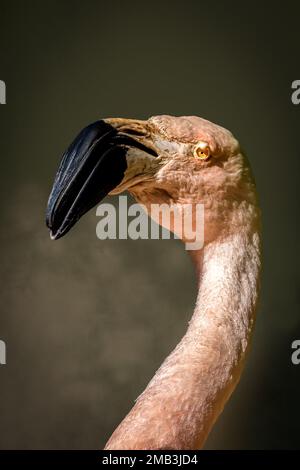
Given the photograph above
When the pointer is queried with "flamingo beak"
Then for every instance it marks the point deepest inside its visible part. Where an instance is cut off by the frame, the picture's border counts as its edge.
(93, 165)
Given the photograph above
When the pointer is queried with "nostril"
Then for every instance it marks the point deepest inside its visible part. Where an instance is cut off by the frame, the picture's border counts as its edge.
(133, 131)
(125, 139)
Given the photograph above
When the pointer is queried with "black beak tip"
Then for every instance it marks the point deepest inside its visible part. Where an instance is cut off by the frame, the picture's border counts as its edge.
(54, 236)
(54, 233)
(93, 165)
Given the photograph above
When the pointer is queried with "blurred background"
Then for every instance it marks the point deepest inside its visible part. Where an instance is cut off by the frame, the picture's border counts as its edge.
(87, 323)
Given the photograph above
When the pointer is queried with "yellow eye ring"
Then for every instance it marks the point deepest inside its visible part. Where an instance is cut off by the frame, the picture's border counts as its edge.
(202, 151)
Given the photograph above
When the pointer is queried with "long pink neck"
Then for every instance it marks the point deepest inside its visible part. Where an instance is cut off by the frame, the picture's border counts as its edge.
(183, 400)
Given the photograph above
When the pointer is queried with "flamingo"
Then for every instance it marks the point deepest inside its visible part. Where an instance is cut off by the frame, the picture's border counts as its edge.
(178, 160)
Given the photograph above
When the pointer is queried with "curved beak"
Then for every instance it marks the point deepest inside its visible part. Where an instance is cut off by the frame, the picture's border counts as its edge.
(93, 166)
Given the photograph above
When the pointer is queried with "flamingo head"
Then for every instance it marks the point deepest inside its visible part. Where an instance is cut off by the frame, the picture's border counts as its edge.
(165, 159)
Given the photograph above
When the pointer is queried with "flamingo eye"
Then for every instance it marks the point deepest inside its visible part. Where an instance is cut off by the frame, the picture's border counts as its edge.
(202, 151)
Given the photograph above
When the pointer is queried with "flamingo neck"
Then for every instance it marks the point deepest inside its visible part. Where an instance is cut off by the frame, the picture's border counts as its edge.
(188, 392)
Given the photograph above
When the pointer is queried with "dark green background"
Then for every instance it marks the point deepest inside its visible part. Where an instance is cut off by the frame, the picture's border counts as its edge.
(86, 322)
